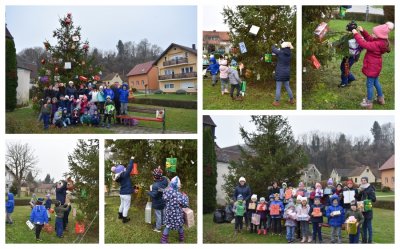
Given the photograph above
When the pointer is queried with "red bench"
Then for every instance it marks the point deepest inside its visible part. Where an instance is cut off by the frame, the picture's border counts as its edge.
(127, 119)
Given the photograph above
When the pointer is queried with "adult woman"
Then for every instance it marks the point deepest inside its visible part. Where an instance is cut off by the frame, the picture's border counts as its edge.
(244, 190)
(366, 192)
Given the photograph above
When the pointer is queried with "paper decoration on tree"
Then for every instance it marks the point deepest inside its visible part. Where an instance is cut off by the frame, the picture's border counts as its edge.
(274, 209)
(85, 47)
(268, 58)
(342, 11)
(67, 65)
(258, 76)
(171, 164)
(57, 78)
(56, 69)
(79, 228)
(242, 47)
(76, 77)
(67, 21)
(44, 79)
(75, 38)
(83, 78)
(304, 70)
(321, 30)
(315, 63)
(243, 87)
(48, 72)
(135, 170)
(73, 47)
(254, 29)
(46, 45)
(83, 63)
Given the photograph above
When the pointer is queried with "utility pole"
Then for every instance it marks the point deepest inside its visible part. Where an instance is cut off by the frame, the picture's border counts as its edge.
(367, 13)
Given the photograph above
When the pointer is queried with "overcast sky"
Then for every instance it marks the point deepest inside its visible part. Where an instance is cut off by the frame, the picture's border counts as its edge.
(103, 26)
(213, 18)
(52, 155)
(227, 131)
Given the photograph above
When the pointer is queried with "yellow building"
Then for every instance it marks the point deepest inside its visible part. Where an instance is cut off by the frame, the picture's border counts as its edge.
(177, 69)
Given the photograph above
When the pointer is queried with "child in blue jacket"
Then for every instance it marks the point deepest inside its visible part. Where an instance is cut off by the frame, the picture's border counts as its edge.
(123, 98)
(156, 194)
(214, 69)
(276, 218)
(47, 205)
(39, 217)
(335, 214)
(9, 208)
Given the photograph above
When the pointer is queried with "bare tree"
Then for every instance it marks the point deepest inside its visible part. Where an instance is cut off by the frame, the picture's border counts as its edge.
(20, 159)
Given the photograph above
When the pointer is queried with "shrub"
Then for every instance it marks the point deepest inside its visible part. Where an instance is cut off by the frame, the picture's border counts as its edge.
(385, 189)
(180, 91)
(134, 90)
(158, 92)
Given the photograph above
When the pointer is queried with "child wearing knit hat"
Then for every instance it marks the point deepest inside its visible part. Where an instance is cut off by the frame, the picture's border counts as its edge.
(262, 211)
(376, 45)
(251, 209)
(354, 213)
(239, 208)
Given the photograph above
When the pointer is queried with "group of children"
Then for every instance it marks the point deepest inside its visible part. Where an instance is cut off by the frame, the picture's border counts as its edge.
(298, 208)
(167, 200)
(65, 107)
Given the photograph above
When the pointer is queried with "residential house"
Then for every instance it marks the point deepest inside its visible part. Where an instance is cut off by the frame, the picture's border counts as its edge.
(177, 69)
(25, 189)
(24, 70)
(10, 177)
(45, 188)
(112, 78)
(216, 42)
(144, 77)
(310, 175)
(355, 174)
(387, 173)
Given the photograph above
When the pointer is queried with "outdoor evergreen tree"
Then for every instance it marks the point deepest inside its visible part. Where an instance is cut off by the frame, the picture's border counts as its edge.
(376, 133)
(270, 154)
(11, 75)
(277, 24)
(68, 59)
(84, 170)
(47, 179)
(209, 172)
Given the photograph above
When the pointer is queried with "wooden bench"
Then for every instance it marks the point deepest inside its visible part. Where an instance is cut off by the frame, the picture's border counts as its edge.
(127, 119)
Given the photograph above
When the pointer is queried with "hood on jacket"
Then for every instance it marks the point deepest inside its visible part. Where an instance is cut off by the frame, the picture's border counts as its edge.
(10, 196)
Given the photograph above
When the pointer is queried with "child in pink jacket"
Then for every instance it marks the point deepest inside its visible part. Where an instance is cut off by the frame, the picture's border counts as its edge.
(376, 45)
(223, 70)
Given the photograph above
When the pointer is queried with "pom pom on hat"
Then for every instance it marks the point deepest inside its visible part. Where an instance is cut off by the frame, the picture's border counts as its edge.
(287, 45)
(262, 199)
(382, 31)
(254, 197)
(242, 179)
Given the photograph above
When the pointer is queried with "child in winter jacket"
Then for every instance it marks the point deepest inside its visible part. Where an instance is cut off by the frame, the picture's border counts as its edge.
(57, 121)
(376, 45)
(214, 69)
(335, 214)
(239, 208)
(262, 211)
(124, 98)
(234, 80)
(354, 212)
(66, 118)
(85, 118)
(95, 118)
(39, 217)
(345, 67)
(47, 205)
(282, 71)
(276, 210)
(46, 113)
(251, 209)
(60, 211)
(290, 216)
(9, 208)
(303, 216)
(317, 212)
(174, 202)
(156, 194)
(75, 119)
(224, 70)
(109, 109)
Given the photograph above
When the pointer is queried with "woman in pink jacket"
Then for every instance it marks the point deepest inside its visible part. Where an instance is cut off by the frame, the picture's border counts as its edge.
(376, 45)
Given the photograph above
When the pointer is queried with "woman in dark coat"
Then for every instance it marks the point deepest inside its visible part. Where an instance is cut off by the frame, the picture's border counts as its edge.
(366, 192)
(282, 71)
(244, 190)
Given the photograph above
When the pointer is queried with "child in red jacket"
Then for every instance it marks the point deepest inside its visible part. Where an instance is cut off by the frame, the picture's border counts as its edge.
(376, 45)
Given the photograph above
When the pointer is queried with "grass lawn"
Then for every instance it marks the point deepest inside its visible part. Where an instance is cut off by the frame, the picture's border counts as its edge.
(20, 233)
(136, 230)
(383, 231)
(172, 96)
(24, 120)
(385, 196)
(325, 93)
(259, 96)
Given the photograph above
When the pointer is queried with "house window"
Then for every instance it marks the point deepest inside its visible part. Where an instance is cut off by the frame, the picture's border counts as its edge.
(142, 82)
(168, 72)
(186, 54)
(386, 180)
(187, 69)
(169, 86)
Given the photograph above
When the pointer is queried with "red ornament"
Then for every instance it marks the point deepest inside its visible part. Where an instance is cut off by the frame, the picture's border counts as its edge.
(69, 15)
(86, 47)
(83, 78)
(96, 78)
(46, 45)
(67, 21)
(315, 63)
(56, 69)
(43, 61)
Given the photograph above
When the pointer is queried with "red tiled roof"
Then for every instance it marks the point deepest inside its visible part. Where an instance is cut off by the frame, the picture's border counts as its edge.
(389, 164)
(223, 35)
(143, 68)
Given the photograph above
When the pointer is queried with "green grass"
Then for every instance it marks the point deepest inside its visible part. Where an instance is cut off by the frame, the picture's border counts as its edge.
(382, 224)
(137, 231)
(24, 121)
(20, 233)
(325, 93)
(385, 196)
(172, 96)
(259, 96)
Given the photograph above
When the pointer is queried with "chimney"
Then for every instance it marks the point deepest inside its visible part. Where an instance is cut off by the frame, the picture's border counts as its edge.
(194, 46)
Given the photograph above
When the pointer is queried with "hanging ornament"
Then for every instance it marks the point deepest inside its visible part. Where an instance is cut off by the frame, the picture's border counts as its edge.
(96, 78)
(83, 193)
(67, 65)
(43, 61)
(83, 78)
(100, 72)
(321, 31)
(76, 77)
(57, 78)
(60, 60)
(73, 47)
(258, 76)
(134, 170)
(315, 63)
(234, 50)
(44, 79)
(170, 164)
(56, 69)
(69, 15)
(268, 58)
(304, 70)
(254, 30)
(85, 47)
(83, 63)
(242, 47)
(48, 72)
(67, 21)
(46, 45)
(75, 38)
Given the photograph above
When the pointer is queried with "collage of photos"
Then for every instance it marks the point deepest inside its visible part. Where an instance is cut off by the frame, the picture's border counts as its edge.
(103, 142)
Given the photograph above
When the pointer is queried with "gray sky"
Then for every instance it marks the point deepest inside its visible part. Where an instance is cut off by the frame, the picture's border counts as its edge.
(52, 155)
(103, 26)
(227, 131)
(213, 19)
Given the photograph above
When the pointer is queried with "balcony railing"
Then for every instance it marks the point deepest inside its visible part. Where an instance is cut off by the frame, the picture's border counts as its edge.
(178, 76)
(175, 62)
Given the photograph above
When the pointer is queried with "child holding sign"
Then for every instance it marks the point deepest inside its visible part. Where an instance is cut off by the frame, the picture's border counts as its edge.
(317, 212)
(275, 209)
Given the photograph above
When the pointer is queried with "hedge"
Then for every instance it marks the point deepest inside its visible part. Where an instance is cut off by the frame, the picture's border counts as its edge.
(166, 103)
(383, 204)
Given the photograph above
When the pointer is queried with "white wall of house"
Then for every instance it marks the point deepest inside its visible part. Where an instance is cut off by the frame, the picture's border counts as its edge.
(9, 180)
(222, 169)
(24, 85)
(335, 177)
(368, 173)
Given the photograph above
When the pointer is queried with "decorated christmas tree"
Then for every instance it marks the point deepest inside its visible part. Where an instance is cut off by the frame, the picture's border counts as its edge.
(258, 28)
(68, 59)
